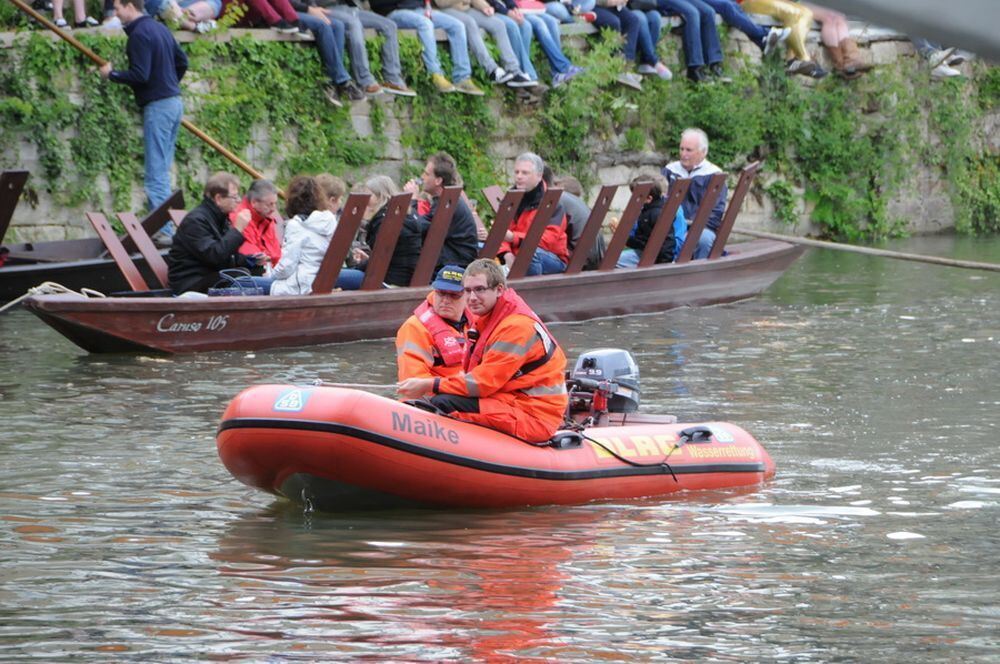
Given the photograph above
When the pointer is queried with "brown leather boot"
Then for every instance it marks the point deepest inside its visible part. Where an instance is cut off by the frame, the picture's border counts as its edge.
(837, 55)
(854, 66)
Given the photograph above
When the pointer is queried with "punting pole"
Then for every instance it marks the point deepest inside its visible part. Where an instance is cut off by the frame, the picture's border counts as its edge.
(98, 60)
(885, 253)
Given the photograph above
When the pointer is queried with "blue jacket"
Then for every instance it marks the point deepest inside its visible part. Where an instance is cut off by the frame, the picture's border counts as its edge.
(156, 62)
(699, 175)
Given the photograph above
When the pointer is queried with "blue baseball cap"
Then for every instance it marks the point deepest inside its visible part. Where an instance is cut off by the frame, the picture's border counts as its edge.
(449, 278)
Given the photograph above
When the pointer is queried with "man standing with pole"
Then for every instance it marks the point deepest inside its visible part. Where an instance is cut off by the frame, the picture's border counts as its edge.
(156, 66)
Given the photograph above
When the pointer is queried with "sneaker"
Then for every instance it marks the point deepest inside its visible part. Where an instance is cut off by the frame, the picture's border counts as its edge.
(89, 22)
(500, 76)
(333, 96)
(467, 87)
(42, 5)
(350, 90)
(61, 23)
(442, 84)
(696, 75)
(519, 80)
(283, 27)
(663, 71)
(201, 27)
(373, 89)
(630, 80)
(959, 57)
(588, 17)
(775, 36)
(943, 71)
(646, 70)
(940, 57)
(716, 72)
(398, 89)
(805, 68)
(113, 23)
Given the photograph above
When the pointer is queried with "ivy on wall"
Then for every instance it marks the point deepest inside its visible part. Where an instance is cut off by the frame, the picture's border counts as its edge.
(848, 145)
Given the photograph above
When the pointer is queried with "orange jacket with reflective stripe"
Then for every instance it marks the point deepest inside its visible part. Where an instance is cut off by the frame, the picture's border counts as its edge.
(513, 342)
(417, 355)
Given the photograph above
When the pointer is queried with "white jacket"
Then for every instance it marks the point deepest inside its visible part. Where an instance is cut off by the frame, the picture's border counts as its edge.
(302, 251)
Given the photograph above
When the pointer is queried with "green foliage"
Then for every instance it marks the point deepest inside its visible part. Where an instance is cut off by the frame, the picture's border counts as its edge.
(783, 198)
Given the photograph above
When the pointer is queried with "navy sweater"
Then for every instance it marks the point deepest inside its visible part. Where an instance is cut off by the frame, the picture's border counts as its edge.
(156, 62)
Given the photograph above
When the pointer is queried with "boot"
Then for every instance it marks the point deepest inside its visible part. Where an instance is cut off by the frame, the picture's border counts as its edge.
(837, 56)
(854, 66)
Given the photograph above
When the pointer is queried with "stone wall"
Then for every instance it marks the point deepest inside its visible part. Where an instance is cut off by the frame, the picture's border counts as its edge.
(924, 200)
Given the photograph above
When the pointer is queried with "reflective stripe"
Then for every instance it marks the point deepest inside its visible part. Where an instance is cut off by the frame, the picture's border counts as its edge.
(547, 341)
(471, 386)
(545, 390)
(416, 349)
(511, 348)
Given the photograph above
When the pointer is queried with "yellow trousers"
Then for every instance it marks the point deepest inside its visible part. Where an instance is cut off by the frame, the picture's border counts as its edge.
(792, 15)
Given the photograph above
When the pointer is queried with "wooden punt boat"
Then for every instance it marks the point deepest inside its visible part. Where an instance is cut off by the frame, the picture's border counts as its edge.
(76, 264)
(176, 325)
(338, 449)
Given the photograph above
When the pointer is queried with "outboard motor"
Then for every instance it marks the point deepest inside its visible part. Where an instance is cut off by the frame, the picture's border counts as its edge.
(613, 371)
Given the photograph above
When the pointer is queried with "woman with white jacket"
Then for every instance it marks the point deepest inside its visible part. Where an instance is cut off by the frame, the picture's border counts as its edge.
(308, 232)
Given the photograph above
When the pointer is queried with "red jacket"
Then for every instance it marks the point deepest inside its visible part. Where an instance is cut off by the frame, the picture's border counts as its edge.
(260, 235)
(554, 237)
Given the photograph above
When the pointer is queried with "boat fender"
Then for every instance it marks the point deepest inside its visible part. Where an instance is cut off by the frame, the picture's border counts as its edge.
(566, 440)
(695, 434)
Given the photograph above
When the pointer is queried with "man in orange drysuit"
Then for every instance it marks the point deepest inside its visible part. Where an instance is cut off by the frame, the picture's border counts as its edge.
(513, 378)
(431, 342)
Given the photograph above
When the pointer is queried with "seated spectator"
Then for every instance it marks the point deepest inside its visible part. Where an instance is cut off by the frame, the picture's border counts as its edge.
(206, 242)
(194, 15)
(334, 189)
(80, 18)
(355, 21)
(694, 165)
(700, 38)
(407, 251)
(640, 43)
(545, 28)
(478, 15)
(798, 18)
(942, 61)
(577, 215)
(836, 36)
(261, 234)
(414, 15)
(767, 39)
(644, 225)
(288, 17)
(308, 233)
(551, 255)
(461, 245)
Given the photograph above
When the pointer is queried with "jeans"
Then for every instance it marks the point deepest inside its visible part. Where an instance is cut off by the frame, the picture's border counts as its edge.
(705, 243)
(650, 24)
(559, 11)
(355, 21)
(733, 15)
(545, 262)
(474, 37)
(925, 47)
(414, 19)
(519, 43)
(350, 279)
(701, 39)
(263, 283)
(161, 120)
(629, 258)
(546, 29)
(496, 27)
(330, 44)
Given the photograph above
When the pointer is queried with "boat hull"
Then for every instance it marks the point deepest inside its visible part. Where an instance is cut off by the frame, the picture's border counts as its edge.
(338, 449)
(175, 325)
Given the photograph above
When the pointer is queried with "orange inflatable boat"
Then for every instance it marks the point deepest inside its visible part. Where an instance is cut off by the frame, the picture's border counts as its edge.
(340, 449)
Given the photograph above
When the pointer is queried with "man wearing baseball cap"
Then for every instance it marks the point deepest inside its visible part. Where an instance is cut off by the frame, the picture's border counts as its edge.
(431, 343)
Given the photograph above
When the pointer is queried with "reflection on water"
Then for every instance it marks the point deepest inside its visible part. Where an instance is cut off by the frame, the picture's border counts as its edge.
(872, 383)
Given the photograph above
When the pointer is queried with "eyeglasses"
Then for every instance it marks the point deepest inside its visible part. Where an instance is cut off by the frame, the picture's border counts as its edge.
(478, 290)
(448, 295)
(235, 197)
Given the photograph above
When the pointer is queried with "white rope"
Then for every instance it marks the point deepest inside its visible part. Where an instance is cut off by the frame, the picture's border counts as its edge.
(52, 288)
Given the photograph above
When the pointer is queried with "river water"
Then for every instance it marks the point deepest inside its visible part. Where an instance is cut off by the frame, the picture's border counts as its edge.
(872, 382)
